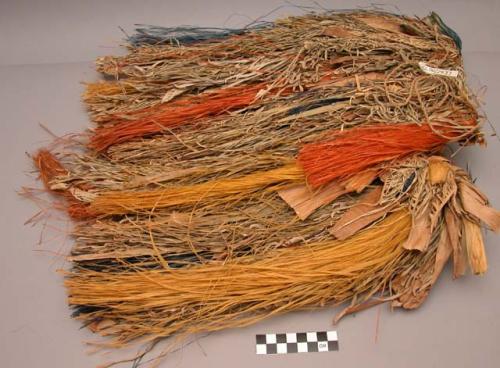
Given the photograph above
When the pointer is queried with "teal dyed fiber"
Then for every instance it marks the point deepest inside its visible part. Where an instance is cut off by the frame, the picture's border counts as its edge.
(156, 35)
(447, 30)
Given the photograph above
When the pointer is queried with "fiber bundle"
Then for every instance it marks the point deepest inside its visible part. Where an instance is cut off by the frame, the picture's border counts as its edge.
(235, 174)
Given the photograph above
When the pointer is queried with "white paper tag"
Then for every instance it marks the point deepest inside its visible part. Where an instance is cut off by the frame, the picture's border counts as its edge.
(437, 71)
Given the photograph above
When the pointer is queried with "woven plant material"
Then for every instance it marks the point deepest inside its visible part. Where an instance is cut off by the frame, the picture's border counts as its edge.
(231, 175)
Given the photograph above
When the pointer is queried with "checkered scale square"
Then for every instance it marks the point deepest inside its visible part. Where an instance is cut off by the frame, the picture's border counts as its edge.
(297, 342)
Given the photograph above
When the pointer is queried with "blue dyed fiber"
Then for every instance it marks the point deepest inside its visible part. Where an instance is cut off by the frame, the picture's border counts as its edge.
(156, 35)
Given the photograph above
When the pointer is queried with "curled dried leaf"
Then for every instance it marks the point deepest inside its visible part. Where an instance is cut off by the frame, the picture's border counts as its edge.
(475, 247)
(420, 234)
(475, 203)
(381, 23)
(443, 253)
(454, 234)
(366, 211)
(438, 170)
(338, 31)
(305, 201)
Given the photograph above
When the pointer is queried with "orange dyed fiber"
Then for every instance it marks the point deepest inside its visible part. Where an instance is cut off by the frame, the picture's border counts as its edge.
(356, 149)
(49, 167)
(187, 110)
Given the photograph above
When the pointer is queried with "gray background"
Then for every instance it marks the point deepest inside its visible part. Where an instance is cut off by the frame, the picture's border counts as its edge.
(47, 48)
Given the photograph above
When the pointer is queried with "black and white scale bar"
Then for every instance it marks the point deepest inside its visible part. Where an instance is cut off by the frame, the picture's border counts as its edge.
(297, 342)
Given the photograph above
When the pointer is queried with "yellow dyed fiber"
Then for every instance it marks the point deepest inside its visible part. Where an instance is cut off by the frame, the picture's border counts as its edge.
(94, 90)
(222, 190)
(242, 291)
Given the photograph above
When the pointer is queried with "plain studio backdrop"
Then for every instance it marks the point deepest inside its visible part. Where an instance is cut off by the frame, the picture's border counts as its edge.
(47, 48)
